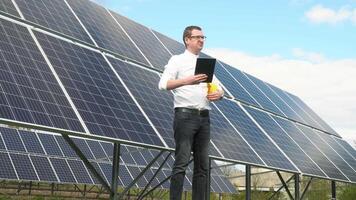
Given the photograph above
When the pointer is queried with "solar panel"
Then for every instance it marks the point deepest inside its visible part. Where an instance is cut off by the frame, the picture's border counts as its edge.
(346, 146)
(287, 111)
(233, 86)
(50, 145)
(312, 114)
(7, 170)
(8, 7)
(43, 169)
(254, 91)
(289, 147)
(104, 30)
(63, 171)
(157, 104)
(31, 142)
(330, 153)
(23, 167)
(102, 101)
(55, 15)
(323, 162)
(29, 91)
(303, 116)
(229, 142)
(12, 140)
(145, 40)
(173, 46)
(269, 153)
(79, 171)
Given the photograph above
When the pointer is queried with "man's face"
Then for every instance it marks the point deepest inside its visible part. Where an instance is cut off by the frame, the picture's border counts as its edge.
(196, 41)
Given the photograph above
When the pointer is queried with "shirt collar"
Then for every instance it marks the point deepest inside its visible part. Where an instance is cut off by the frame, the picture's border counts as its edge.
(188, 53)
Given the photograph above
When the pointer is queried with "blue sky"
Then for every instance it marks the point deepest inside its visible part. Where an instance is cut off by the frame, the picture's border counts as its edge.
(306, 47)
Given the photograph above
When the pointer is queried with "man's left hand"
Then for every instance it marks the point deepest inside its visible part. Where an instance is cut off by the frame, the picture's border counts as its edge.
(215, 96)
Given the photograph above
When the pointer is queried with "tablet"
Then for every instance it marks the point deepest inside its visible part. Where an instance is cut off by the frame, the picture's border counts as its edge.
(205, 66)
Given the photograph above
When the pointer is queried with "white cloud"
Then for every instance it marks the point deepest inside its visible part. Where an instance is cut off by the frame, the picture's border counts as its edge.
(327, 86)
(321, 14)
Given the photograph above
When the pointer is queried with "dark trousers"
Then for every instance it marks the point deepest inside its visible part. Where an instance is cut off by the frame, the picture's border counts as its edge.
(191, 133)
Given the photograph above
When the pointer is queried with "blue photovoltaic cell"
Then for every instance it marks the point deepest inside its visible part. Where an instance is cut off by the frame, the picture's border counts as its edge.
(28, 90)
(255, 92)
(8, 7)
(6, 168)
(306, 108)
(126, 156)
(84, 148)
(124, 175)
(2, 145)
(303, 116)
(145, 40)
(97, 150)
(173, 46)
(50, 144)
(347, 146)
(66, 149)
(158, 105)
(338, 148)
(44, 169)
(232, 85)
(53, 14)
(323, 162)
(228, 141)
(98, 169)
(12, 140)
(107, 169)
(287, 111)
(136, 154)
(79, 171)
(290, 148)
(23, 167)
(102, 101)
(31, 142)
(63, 171)
(135, 171)
(329, 152)
(269, 153)
(105, 31)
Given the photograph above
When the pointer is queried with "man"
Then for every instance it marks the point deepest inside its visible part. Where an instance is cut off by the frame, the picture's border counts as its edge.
(191, 120)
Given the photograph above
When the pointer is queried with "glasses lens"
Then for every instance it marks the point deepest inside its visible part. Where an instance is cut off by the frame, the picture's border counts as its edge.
(198, 37)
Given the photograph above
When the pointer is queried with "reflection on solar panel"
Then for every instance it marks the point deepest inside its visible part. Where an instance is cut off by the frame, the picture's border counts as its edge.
(53, 15)
(300, 103)
(173, 46)
(232, 85)
(105, 31)
(269, 153)
(330, 153)
(145, 40)
(100, 98)
(229, 142)
(323, 162)
(28, 90)
(292, 150)
(8, 7)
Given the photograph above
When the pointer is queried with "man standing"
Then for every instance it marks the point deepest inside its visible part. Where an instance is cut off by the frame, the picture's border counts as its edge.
(191, 120)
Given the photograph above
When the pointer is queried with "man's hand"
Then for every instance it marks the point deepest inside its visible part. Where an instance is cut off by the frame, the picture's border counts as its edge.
(215, 95)
(195, 79)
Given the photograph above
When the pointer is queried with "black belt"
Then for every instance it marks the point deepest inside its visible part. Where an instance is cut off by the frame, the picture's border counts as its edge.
(203, 113)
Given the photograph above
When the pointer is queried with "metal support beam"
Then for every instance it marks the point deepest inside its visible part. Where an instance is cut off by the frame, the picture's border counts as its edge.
(296, 187)
(285, 185)
(86, 162)
(140, 175)
(115, 171)
(280, 188)
(306, 188)
(208, 179)
(154, 176)
(333, 190)
(248, 182)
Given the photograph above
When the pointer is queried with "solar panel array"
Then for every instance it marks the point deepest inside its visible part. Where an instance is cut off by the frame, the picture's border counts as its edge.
(49, 80)
(34, 156)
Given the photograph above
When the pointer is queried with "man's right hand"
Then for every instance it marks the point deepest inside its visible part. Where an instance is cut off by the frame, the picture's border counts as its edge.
(195, 79)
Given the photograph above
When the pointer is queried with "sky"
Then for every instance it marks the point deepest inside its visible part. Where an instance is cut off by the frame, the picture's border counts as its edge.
(306, 47)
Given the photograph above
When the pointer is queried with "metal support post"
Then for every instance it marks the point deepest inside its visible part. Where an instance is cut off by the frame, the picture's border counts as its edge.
(248, 182)
(296, 187)
(208, 181)
(333, 190)
(280, 188)
(115, 171)
(285, 185)
(86, 162)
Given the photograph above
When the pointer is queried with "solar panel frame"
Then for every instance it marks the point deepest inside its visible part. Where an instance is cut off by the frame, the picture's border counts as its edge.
(24, 167)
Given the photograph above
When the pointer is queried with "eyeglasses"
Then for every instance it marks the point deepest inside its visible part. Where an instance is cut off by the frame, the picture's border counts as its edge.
(198, 37)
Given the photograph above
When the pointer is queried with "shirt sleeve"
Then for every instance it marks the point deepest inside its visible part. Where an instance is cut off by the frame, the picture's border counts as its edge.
(169, 73)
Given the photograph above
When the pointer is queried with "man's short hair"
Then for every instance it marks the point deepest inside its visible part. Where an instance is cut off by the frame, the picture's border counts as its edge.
(188, 32)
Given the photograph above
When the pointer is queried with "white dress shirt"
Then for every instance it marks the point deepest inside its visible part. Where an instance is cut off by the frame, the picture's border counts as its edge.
(188, 96)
